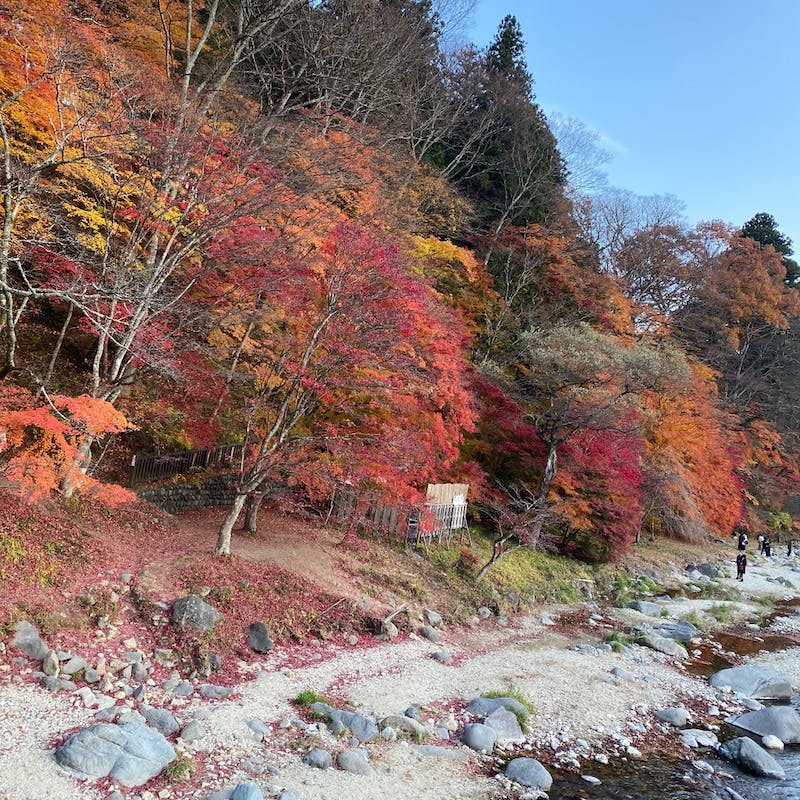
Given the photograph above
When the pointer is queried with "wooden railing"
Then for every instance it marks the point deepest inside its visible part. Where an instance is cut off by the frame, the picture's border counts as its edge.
(146, 469)
(433, 523)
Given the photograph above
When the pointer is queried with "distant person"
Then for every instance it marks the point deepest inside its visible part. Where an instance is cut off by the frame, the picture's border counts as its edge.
(742, 541)
(789, 545)
(761, 538)
(741, 566)
(767, 548)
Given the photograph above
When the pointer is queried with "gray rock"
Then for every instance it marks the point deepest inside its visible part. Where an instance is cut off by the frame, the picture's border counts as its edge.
(505, 725)
(745, 753)
(389, 629)
(131, 753)
(247, 791)
(91, 675)
(440, 752)
(432, 617)
(53, 684)
(696, 738)
(681, 631)
(354, 761)
(479, 737)
(484, 612)
(183, 689)
(780, 721)
(430, 633)
(140, 673)
(258, 637)
(760, 683)
(50, 664)
(442, 656)
(750, 704)
(318, 758)
(663, 645)
(483, 706)
(677, 717)
(322, 709)
(288, 794)
(259, 728)
(213, 692)
(75, 664)
(546, 619)
(772, 742)
(193, 612)
(192, 731)
(622, 674)
(160, 719)
(405, 724)
(28, 639)
(529, 772)
(708, 569)
(645, 607)
(365, 729)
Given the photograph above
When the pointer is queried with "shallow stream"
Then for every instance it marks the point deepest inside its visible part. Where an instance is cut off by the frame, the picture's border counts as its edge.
(663, 778)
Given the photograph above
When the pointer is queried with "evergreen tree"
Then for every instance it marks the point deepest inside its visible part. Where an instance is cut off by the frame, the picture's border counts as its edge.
(764, 229)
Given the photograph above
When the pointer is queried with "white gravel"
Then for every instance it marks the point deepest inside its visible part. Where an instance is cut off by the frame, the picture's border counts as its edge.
(573, 692)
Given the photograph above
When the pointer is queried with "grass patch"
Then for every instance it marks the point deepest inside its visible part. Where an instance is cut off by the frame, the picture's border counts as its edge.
(769, 602)
(721, 612)
(178, 770)
(530, 574)
(522, 714)
(308, 697)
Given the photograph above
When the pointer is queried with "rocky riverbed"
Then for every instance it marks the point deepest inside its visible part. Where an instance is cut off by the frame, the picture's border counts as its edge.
(399, 716)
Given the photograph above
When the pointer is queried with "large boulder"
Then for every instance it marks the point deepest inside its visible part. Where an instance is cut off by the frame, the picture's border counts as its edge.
(646, 607)
(529, 772)
(130, 753)
(160, 719)
(318, 758)
(662, 644)
(28, 639)
(354, 761)
(247, 791)
(681, 631)
(677, 717)
(780, 721)
(365, 729)
(193, 612)
(760, 683)
(483, 706)
(405, 724)
(258, 637)
(746, 754)
(480, 737)
(505, 725)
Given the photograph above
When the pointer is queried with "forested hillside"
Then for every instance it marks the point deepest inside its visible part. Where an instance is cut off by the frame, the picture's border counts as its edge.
(324, 230)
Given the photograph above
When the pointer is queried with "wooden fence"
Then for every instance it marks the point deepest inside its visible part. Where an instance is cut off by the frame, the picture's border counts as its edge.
(146, 469)
(433, 523)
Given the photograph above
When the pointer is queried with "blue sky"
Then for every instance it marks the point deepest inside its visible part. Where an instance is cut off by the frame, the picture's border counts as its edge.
(696, 98)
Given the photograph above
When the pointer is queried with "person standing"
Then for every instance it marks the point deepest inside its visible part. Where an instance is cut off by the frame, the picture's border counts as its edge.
(767, 548)
(742, 541)
(741, 566)
(761, 538)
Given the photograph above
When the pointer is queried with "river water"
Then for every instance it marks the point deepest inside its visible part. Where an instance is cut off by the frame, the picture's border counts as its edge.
(659, 777)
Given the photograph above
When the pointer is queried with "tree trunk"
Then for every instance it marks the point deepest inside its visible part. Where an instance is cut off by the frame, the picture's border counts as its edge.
(251, 512)
(498, 550)
(224, 537)
(82, 463)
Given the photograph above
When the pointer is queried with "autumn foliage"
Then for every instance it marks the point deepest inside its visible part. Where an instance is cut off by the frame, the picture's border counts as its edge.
(376, 282)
